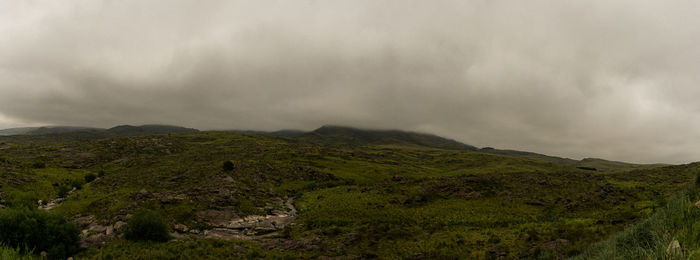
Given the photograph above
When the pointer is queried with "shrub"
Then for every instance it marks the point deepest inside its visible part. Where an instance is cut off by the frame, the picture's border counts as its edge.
(63, 190)
(228, 166)
(39, 165)
(147, 225)
(77, 183)
(697, 179)
(101, 173)
(39, 231)
(23, 200)
(90, 177)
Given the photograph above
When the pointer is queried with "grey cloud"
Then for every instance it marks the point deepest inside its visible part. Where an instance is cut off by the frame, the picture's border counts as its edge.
(612, 79)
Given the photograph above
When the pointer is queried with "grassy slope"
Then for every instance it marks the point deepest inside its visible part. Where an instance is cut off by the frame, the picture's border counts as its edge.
(652, 238)
(386, 200)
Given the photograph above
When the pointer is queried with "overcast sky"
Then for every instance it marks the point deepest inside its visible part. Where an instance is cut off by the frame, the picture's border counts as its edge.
(595, 78)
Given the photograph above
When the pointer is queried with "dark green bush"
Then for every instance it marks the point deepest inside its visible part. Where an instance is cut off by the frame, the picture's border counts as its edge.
(39, 165)
(39, 231)
(228, 166)
(77, 183)
(90, 177)
(147, 225)
(101, 173)
(697, 179)
(63, 190)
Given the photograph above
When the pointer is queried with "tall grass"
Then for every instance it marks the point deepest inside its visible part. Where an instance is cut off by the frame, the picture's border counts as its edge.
(9, 253)
(651, 238)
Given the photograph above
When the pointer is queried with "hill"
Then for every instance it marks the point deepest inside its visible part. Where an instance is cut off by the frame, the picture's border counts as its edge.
(348, 136)
(49, 134)
(128, 130)
(333, 192)
(44, 130)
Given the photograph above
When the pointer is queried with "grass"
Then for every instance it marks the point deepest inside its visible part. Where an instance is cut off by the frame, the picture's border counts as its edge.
(652, 238)
(9, 253)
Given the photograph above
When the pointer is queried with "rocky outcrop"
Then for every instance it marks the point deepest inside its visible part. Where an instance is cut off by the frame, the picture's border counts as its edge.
(226, 225)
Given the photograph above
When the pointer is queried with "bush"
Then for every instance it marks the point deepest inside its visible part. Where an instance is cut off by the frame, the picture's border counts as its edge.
(39, 165)
(101, 173)
(63, 190)
(147, 225)
(39, 231)
(90, 177)
(23, 200)
(228, 166)
(77, 183)
(697, 180)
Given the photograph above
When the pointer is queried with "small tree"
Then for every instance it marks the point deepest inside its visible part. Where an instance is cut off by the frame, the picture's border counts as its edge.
(228, 166)
(147, 225)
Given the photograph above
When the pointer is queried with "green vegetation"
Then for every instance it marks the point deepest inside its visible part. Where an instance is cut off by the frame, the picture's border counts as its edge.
(147, 225)
(9, 253)
(228, 166)
(657, 236)
(358, 194)
(37, 230)
(90, 177)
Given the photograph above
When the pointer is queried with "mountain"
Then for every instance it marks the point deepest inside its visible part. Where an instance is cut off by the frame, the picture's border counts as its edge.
(129, 130)
(348, 136)
(279, 133)
(17, 131)
(59, 129)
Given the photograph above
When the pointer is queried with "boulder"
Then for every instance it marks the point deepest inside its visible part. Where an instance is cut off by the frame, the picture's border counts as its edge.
(181, 228)
(119, 226)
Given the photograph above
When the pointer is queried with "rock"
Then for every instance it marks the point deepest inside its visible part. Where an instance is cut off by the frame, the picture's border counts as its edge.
(109, 231)
(119, 226)
(181, 228)
(170, 199)
(43, 254)
(97, 228)
(194, 231)
(142, 195)
(697, 204)
(84, 221)
(674, 248)
(96, 239)
(259, 231)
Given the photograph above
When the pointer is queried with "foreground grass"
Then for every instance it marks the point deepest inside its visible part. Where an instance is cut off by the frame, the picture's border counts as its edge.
(654, 237)
(8, 253)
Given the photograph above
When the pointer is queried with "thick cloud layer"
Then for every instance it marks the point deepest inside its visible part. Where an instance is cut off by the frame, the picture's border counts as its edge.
(598, 78)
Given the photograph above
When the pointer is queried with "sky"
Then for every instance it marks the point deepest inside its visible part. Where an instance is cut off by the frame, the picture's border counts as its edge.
(613, 79)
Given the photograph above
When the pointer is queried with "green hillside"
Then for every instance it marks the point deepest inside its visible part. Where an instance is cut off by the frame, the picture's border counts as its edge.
(332, 193)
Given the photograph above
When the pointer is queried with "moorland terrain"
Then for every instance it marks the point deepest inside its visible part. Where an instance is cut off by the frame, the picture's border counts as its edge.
(335, 192)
